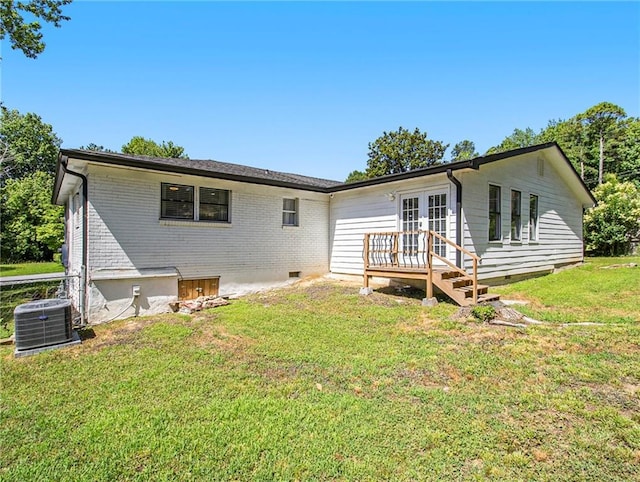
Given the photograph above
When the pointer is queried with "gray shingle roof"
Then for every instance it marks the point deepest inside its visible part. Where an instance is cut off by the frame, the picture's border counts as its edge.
(209, 168)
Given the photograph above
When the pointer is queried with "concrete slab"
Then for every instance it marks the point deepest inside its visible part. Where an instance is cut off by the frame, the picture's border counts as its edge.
(75, 340)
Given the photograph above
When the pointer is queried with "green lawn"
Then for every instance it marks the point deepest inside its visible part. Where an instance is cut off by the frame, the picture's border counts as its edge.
(590, 293)
(318, 383)
(19, 269)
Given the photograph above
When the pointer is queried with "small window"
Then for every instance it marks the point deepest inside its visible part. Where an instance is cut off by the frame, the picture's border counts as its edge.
(289, 212)
(214, 204)
(177, 201)
(533, 217)
(495, 227)
(516, 215)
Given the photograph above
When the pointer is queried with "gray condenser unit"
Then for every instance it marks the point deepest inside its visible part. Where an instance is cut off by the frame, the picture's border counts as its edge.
(42, 323)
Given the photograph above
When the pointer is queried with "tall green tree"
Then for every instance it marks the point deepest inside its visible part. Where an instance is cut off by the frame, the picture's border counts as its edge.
(32, 227)
(518, 138)
(610, 227)
(95, 147)
(28, 144)
(355, 176)
(140, 146)
(25, 34)
(402, 151)
(599, 141)
(463, 151)
(602, 121)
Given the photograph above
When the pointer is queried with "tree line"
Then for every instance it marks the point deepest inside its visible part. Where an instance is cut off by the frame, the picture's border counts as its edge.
(33, 227)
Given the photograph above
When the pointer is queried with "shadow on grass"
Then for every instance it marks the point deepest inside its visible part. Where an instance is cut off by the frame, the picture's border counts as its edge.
(7, 269)
(407, 291)
(86, 333)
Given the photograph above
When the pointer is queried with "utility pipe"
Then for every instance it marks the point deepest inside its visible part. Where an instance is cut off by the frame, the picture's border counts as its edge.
(85, 238)
(458, 186)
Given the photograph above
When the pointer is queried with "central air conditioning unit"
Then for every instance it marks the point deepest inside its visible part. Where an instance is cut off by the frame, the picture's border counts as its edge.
(42, 323)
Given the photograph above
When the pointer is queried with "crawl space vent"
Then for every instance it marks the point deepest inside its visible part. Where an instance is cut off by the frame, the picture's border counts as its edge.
(42, 323)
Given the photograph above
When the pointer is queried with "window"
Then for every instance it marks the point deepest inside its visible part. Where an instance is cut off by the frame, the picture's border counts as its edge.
(495, 227)
(533, 217)
(516, 215)
(289, 212)
(214, 204)
(179, 202)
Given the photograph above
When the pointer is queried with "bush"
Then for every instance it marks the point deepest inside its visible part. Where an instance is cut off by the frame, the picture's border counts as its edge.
(611, 226)
(484, 313)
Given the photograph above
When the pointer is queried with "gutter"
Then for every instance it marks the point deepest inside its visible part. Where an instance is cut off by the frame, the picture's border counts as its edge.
(458, 186)
(85, 236)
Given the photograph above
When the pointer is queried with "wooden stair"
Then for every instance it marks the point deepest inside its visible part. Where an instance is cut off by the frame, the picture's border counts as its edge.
(384, 256)
(460, 288)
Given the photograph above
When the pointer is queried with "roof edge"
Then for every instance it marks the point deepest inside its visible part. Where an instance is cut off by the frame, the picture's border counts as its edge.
(135, 162)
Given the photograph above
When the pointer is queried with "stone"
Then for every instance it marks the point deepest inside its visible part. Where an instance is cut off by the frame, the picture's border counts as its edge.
(366, 291)
(429, 301)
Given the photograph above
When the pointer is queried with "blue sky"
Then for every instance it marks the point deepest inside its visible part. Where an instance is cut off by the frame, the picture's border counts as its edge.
(304, 87)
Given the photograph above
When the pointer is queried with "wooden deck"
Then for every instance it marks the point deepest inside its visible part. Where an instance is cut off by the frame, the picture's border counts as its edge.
(411, 255)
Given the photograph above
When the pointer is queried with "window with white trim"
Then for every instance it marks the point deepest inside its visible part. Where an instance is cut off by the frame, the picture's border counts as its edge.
(533, 217)
(290, 212)
(180, 201)
(516, 215)
(495, 225)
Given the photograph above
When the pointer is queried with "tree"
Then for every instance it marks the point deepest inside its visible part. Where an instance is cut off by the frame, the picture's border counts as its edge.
(32, 227)
(29, 145)
(25, 35)
(402, 151)
(355, 176)
(593, 156)
(95, 147)
(519, 138)
(610, 227)
(140, 146)
(601, 120)
(463, 150)
(628, 152)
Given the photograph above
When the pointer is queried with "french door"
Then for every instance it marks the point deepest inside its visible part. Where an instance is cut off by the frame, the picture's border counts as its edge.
(426, 210)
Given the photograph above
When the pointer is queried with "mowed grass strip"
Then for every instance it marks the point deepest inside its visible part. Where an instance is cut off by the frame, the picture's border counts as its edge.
(318, 383)
(605, 290)
(25, 269)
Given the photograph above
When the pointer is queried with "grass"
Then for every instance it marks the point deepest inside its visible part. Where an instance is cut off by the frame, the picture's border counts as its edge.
(318, 383)
(590, 293)
(20, 269)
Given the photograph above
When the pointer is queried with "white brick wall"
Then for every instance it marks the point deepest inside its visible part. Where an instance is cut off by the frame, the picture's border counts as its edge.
(126, 232)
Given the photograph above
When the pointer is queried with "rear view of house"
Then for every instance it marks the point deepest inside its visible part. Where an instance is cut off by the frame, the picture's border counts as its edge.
(142, 232)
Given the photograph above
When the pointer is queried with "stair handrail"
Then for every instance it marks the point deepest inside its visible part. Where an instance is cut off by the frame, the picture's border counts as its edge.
(475, 258)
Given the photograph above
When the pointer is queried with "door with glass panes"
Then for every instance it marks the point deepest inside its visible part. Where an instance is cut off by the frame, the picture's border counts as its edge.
(426, 210)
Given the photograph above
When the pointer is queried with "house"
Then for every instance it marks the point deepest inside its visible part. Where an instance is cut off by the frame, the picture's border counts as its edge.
(142, 232)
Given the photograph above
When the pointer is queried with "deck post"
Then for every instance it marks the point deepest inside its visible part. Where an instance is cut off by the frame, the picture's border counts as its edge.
(366, 259)
(475, 281)
(429, 265)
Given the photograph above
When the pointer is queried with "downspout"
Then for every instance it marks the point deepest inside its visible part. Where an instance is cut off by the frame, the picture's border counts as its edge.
(85, 239)
(458, 186)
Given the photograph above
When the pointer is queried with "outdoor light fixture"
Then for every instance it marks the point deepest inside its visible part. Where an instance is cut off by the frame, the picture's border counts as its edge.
(391, 196)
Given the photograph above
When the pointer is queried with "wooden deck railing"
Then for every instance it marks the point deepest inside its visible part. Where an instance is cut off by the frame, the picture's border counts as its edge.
(413, 251)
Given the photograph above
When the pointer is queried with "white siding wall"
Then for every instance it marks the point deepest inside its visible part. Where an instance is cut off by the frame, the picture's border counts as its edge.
(126, 232)
(368, 209)
(560, 218)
